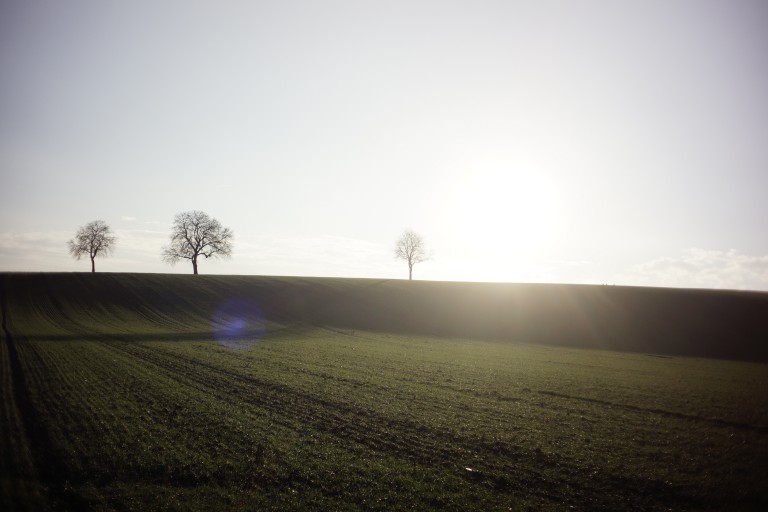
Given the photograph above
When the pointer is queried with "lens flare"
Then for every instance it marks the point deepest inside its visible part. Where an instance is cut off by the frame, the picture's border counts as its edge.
(238, 324)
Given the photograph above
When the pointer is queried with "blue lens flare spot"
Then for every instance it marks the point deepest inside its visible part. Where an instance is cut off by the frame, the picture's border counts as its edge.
(238, 324)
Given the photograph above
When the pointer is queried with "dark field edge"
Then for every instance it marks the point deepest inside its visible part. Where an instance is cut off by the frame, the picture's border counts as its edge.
(48, 463)
(721, 324)
(712, 421)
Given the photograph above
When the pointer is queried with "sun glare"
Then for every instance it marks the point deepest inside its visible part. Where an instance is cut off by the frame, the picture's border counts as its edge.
(502, 220)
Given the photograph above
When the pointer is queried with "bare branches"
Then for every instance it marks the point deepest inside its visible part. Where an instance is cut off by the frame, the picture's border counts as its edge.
(411, 248)
(92, 239)
(196, 234)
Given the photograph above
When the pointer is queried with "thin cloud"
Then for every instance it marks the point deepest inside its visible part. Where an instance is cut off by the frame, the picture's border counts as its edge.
(702, 268)
(136, 250)
(34, 251)
(34, 241)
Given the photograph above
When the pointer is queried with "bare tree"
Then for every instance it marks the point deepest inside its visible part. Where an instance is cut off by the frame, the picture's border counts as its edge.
(92, 239)
(411, 248)
(195, 234)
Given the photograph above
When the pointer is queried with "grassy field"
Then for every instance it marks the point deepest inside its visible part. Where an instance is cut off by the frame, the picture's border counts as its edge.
(124, 392)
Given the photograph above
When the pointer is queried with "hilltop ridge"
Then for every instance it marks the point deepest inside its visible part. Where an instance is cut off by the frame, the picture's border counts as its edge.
(705, 323)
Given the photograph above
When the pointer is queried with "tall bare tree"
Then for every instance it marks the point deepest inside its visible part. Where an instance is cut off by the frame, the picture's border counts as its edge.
(195, 234)
(93, 239)
(411, 248)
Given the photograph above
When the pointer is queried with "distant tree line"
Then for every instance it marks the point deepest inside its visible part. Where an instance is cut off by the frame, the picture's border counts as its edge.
(195, 234)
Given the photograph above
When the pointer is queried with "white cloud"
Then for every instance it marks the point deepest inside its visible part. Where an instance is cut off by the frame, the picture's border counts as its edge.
(36, 239)
(128, 218)
(702, 268)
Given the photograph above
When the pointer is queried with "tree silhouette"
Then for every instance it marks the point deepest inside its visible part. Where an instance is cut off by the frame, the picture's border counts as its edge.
(411, 248)
(92, 239)
(195, 234)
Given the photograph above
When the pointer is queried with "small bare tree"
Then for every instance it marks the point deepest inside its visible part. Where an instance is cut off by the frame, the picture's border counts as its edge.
(411, 248)
(92, 239)
(195, 234)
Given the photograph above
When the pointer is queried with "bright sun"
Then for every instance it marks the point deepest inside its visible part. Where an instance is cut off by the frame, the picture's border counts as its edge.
(501, 219)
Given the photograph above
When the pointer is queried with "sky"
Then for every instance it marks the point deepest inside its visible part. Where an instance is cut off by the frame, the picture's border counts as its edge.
(604, 142)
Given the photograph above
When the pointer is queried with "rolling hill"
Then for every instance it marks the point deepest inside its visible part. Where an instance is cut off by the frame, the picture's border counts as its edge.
(121, 392)
(705, 323)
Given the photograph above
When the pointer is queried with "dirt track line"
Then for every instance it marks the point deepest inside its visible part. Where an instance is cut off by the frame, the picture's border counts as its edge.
(48, 463)
(327, 415)
(661, 412)
(348, 423)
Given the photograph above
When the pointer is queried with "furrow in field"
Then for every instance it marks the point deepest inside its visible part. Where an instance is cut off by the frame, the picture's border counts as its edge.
(661, 412)
(114, 313)
(20, 488)
(62, 387)
(302, 407)
(140, 423)
(371, 433)
(43, 449)
(507, 467)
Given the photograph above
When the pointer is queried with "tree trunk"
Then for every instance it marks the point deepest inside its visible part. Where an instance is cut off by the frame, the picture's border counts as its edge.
(194, 265)
(93, 264)
(410, 272)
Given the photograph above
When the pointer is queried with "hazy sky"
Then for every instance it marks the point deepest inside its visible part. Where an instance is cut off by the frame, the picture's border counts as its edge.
(621, 142)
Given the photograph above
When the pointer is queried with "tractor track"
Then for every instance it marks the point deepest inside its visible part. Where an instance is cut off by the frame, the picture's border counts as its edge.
(48, 462)
(514, 470)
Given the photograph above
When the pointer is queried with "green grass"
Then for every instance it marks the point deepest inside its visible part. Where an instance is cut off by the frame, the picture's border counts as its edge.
(116, 397)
